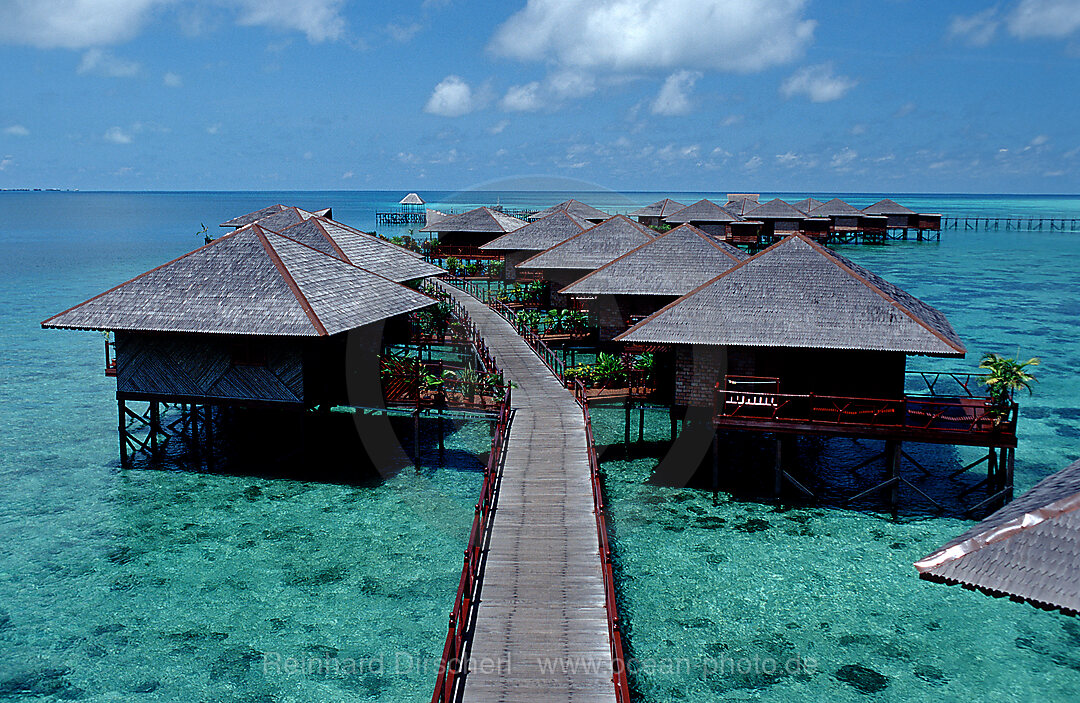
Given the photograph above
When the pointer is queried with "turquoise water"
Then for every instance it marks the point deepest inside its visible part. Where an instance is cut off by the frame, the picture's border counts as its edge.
(171, 584)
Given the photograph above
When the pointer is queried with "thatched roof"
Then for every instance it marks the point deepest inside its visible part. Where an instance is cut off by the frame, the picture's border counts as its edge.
(835, 208)
(701, 211)
(411, 199)
(661, 208)
(776, 209)
(361, 249)
(741, 203)
(1029, 549)
(481, 219)
(577, 208)
(280, 215)
(887, 207)
(672, 264)
(540, 234)
(805, 206)
(799, 294)
(594, 247)
(250, 282)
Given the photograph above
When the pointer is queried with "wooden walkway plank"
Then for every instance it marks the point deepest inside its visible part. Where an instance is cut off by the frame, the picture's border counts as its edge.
(540, 630)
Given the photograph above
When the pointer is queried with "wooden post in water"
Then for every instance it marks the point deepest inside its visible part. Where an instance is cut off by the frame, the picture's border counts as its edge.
(991, 468)
(715, 465)
(892, 464)
(778, 469)
(641, 423)
(674, 423)
(121, 408)
(155, 427)
(626, 427)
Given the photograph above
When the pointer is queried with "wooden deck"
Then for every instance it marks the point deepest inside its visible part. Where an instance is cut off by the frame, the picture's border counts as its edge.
(541, 602)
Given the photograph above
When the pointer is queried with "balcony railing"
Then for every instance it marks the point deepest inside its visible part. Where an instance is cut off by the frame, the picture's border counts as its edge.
(759, 399)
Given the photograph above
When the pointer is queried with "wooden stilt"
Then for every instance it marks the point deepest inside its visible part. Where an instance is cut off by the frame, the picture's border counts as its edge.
(715, 466)
(1010, 465)
(442, 444)
(778, 469)
(674, 423)
(626, 427)
(992, 468)
(121, 407)
(892, 465)
(416, 439)
(641, 424)
(155, 426)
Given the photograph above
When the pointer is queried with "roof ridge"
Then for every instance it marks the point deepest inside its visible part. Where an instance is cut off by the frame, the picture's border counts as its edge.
(289, 280)
(211, 243)
(316, 221)
(832, 256)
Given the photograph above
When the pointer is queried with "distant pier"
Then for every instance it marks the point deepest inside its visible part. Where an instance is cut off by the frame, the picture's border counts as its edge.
(1019, 224)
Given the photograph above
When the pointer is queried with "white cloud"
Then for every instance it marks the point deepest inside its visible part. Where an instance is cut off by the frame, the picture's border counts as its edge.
(817, 83)
(98, 62)
(523, 98)
(857, 129)
(117, 136)
(172, 80)
(905, 109)
(81, 24)
(975, 30)
(214, 128)
(498, 127)
(674, 95)
(628, 35)
(16, 130)
(1045, 18)
(347, 175)
(753, 163)
(1040, 140)
(319, 20)
(403, 32)
(6, 161)
(842, 158)
(571, 84)
(731, 120)
(452, 97)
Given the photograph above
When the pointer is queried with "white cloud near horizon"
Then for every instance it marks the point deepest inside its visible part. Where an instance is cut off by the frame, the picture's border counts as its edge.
(172, 80)
(523, 98)
(817, 83)
(17, 130)
(83, 24)
(632, 35)
(674, 96)
(98, 62)
(1045, 18)
(452, 97)
(117, 136)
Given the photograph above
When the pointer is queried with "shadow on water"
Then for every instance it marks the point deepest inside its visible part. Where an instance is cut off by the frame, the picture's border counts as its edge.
(336, 448)
(834, 470)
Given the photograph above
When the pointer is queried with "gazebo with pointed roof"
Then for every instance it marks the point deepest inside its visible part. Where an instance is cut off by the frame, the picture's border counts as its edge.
(844, 217)
(897, 216)
(806, 316)
(576, 208)
(741, 203)
(807, 204)
(254, 317)
(778, 218)
(462, 235)
(646, 278)
(652, 215)
(534, 238)
(706, 216)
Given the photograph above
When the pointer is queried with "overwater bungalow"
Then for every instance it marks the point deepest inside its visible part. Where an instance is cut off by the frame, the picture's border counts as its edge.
(252, 319)
(1029, 549)
(842, 216)
(573, 258)
(900, 217)
(653, 215)
(706, 216)
(461, 236)
(412, 203)
(799, 340)
(741, 203)
(577, 209)
(807, 205)
(643, 280)
(534, 238)
(778, 218)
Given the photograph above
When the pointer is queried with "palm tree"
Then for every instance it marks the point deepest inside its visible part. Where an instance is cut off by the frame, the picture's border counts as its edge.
(1005, 376)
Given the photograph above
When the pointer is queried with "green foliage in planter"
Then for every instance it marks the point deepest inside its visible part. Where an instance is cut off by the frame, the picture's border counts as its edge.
(1004, 377)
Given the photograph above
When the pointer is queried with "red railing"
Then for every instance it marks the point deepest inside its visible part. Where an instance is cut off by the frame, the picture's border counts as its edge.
(452, 662)
(759, 398)
(619, 676)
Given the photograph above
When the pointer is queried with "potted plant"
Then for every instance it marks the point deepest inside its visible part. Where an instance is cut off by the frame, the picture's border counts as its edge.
(1005, 376)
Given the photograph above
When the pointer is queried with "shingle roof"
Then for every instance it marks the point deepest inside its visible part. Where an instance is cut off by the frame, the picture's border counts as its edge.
(701, 211)
(575, 207)
(251, 282)
(250, 217)
(672, 264)
(540, 234)
(661, 208)
(887, 207)
(362, 249)
(411, 199)
(594, 247)
(799, 294)
(741, 203)
(481, 219)
(1029, 549)
(274, 216)
(776, 209)
(807, 205)
(835, 207)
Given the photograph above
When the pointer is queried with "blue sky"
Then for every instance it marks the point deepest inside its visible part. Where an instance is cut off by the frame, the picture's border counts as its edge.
(718, 95)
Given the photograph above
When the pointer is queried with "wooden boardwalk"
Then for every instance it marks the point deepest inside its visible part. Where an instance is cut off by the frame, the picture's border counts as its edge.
(540, 628)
